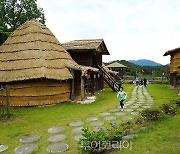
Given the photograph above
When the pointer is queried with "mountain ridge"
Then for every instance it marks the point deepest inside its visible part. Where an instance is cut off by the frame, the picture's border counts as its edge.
(145, 62)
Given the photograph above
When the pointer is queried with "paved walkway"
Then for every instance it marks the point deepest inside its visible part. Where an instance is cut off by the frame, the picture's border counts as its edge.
(139, 100)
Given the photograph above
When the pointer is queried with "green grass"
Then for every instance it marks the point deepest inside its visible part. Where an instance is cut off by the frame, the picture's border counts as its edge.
(37, 120)
(159, 137)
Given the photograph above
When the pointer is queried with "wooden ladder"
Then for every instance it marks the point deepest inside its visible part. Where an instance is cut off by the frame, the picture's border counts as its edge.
(109, 79)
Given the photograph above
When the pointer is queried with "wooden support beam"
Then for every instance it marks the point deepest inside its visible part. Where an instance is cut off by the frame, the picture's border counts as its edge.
(82, 88)
(72, 86)
(92, 84)
(8, 100)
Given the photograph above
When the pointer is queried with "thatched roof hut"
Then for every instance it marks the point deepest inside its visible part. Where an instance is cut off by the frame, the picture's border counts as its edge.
(174, 66)
(116, 65)
(94, 45)
(36, 66)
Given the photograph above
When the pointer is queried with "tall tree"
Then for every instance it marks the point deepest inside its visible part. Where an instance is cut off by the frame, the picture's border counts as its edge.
(13, 13)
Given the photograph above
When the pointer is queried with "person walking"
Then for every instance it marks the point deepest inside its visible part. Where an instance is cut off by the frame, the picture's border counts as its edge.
(122, 97)
(137, 80)
(145, 82)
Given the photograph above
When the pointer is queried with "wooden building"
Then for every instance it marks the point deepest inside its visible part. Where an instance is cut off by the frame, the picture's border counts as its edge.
(89, 53)
(37, 69)
(117, 67)
(174, 66)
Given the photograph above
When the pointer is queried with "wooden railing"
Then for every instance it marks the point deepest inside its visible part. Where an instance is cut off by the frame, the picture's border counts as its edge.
(109, 79)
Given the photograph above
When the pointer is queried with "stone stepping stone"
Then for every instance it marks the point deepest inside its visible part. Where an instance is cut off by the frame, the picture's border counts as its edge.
(134, 107)
(117, 122)
(29, 148)
(139, 109)
(128, 137)
(3, 148)
(114, 110)
(127, 117)
(97, 123)
(77, 130)
(55, 130)
(56, 138)
(140, 102)
(135, 113)
(57, 148)
(120, 113)
(146, 107)
(96, 129)
(128, 110)
(78, 137)
(76, 123)
(110, 118)
(92, 118)
(104, 114)
(29, 139)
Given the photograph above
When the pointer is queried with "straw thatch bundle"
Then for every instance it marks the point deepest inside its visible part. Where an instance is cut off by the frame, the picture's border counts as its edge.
(33, 52)
(116, 64)
(83, 45)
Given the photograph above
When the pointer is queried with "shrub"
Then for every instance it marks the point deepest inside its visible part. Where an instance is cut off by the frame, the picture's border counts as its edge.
(176, 101)
(100, 141)
(168, 109)
(127, 127)
(151, 115)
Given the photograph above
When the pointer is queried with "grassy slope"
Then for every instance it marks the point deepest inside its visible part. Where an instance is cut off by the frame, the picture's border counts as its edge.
(37, 120)
(159, 137)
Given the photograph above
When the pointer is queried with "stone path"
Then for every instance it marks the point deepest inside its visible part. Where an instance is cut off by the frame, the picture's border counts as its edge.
(139, 100)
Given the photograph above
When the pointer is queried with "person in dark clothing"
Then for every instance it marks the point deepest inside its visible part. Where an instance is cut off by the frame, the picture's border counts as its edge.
(145, 82)
(120, 83)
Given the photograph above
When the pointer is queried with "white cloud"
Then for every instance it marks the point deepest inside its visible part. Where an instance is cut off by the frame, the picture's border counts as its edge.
(131, 29)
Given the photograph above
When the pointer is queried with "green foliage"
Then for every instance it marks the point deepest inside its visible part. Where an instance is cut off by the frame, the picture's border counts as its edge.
(169, 109)
(151, 115)
(13, 13)
(151, 71)
(98, 142)
(176, 101)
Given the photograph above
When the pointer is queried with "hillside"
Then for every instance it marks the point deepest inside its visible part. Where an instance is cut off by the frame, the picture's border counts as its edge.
(133, 69)
(144, 62)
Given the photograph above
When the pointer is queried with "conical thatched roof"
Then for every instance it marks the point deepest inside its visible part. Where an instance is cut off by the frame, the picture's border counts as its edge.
(116, 64)
(32, 52)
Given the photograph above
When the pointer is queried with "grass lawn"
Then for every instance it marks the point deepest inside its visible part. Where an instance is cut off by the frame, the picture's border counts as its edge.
(37, 120)
(159, 137)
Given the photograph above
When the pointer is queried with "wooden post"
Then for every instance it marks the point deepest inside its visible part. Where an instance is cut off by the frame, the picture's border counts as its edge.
(82, 88)
(72, 85)
(92, 84)
(8, 101)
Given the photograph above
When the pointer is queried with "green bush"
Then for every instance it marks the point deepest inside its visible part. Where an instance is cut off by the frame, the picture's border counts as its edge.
(176, 101)
(160, 81)
(151, 115)
(100, 141)
(168, 109)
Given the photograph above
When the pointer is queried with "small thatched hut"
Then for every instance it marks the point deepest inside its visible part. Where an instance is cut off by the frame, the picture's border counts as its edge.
(174, 66)
(117, 67)
(37, 69)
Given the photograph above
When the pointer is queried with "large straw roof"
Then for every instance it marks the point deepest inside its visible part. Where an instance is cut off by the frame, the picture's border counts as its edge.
(96, 45)
(170, 52)
(116, 64)
(32, 52)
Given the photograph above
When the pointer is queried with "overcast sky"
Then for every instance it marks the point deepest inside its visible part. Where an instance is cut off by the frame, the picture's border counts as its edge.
(131, 29)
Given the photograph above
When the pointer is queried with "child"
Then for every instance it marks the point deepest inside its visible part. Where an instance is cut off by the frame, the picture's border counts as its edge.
(122, 96)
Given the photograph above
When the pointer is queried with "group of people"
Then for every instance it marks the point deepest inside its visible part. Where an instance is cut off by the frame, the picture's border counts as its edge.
(141, 82)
